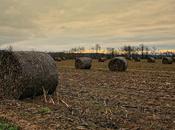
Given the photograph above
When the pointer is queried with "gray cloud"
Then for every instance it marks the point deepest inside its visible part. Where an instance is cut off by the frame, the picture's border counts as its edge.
(110, 22)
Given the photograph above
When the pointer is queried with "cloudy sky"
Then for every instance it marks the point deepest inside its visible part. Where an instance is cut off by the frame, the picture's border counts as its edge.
(56, 25)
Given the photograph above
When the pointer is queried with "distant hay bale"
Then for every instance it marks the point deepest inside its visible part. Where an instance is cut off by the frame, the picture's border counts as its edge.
(26, 74)
(151, 60)
(173, 59)
(83, 63)
(167, 60)
(118, 64)
(137, 59)
(102, 59)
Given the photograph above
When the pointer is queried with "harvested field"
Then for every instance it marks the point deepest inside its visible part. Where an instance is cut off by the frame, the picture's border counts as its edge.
(142, 98)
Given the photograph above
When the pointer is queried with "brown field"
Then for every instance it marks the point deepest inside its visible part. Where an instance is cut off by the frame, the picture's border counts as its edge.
(143, 98)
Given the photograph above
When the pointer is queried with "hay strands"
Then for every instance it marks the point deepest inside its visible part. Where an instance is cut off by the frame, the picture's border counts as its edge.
(83, 63)
(118, 64)
(23, 74)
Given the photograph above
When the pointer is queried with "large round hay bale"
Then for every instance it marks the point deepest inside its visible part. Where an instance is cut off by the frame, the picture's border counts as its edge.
(83, 63)
(26, 74)
(102, 59)
(151, 60)
(167, 60)
(118, 64)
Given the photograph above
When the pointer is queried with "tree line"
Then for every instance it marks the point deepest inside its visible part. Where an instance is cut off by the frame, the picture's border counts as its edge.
(127, 49)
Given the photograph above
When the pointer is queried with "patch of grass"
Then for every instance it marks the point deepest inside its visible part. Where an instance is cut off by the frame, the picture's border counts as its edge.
(7, 126)
(44, 110)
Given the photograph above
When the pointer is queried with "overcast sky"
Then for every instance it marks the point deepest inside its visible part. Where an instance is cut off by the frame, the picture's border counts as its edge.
(56, 25)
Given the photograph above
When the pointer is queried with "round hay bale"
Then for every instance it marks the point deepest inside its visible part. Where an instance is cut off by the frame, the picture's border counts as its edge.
(102, 59)
(26, 74)
(167, 60)
(118, 64)
(137, 59)
(83, 63)
(151, 60)
(173, 59)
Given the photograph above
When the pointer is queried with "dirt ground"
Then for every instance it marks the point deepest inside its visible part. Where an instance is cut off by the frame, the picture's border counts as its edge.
(143, 98)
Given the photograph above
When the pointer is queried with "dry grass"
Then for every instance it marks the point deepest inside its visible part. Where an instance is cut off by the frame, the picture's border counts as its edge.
(141, 98)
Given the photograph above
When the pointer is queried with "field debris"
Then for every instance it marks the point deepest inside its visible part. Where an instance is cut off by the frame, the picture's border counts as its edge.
(141, 98)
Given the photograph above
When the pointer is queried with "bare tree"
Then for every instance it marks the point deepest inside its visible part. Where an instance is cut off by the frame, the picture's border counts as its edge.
(143, 49)
(97, 48)
(153, 50)
(73, 50)
(77, 50)
(111, 51)
(10, 48)
(81, 49)
(93, 49)
(129, 49)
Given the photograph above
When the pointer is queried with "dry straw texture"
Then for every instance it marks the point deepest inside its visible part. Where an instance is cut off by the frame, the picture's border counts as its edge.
(118, 64)
(26, 74)
(83, 63)
(167, 60)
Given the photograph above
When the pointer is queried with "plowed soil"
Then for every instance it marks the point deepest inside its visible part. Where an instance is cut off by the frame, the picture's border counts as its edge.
(142, 98)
